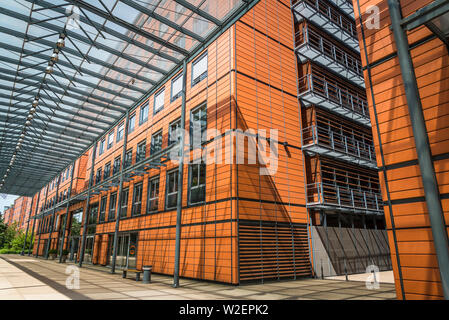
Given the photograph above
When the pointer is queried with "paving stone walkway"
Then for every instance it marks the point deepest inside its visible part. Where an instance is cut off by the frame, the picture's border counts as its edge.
(24, 277)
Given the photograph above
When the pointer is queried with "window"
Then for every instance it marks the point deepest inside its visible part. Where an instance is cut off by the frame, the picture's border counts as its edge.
(107, 171)
(116, 167)
(174, 136)
(198, 125)
(156, 142)
(124, 203)
(141, 151)
(128, 158)
(110, 140)
(103, 141)
(199, 69)
(143, 114)
(98, 176)
(197, 182)
(172, 189)
(137, 200)
(153, 194)
(120, 132)
(93, 214)
(131, 123)
(112, 206)
(103, 203)
(176, 87)
(159, 101)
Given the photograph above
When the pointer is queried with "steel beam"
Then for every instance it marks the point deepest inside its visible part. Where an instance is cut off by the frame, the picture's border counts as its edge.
(127, 25)
(69, 194)
(180, 178)
(34, 222)
(112, 32)
(40, 224)
(53, 218)
(28, 224)
(119, 197)
(86, 211)
(426, 165)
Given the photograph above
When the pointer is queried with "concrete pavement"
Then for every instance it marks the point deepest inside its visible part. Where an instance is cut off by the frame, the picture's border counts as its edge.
(31, 278)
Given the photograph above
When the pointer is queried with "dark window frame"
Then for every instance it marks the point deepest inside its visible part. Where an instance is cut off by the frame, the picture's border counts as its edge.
(202, 76)
(179, 94)
(150, 200)
(199, 185)
(154, 101)
(136, 209)
(167, 194)
(112, 206)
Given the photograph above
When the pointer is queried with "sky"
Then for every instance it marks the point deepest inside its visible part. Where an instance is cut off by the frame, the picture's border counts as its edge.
(6, 200)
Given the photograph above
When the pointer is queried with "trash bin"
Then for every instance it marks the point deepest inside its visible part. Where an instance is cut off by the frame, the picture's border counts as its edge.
(146, 274)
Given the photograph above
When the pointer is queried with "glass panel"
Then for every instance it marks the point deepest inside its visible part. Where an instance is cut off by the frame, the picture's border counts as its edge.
(159, 101)
(199, 69)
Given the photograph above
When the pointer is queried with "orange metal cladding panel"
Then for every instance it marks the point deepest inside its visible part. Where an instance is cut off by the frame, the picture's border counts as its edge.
(207, 251)
(209, 245)
(414, 237)
(267, 99)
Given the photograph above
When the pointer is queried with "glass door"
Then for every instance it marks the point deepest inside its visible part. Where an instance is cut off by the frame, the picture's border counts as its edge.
(88, 252)
(122, 251)
(126, 250)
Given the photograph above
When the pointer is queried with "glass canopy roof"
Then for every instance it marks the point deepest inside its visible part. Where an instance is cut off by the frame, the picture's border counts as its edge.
(56, 99)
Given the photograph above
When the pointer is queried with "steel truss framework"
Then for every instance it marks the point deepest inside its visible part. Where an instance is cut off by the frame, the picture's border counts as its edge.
(114, 54)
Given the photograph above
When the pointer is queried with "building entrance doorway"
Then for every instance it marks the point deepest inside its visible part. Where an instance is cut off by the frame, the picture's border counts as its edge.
(126, 250)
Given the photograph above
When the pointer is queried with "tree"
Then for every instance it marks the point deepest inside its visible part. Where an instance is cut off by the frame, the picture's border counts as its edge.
(17, 242)
(8, 235)
(3, 228)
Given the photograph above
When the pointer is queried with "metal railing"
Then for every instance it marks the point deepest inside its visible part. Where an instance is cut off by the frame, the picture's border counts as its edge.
(333, 15)
(328, 48)
(316, 135)
(335, 93)
(323, 194)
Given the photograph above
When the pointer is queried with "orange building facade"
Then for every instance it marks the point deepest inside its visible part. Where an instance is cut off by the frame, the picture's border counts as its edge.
(415, 261)
(236, 224)
(18, 212)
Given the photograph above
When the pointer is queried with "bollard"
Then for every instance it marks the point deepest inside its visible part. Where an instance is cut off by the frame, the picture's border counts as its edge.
(146, 274)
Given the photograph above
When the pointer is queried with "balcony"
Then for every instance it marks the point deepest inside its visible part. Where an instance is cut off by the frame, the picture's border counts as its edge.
(313, 45)
(329, 18)
(345, 6)
(319, 140)
(317, 90)
(333, 197)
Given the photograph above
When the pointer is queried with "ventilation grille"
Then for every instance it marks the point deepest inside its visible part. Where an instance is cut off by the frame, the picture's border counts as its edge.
(272, 251)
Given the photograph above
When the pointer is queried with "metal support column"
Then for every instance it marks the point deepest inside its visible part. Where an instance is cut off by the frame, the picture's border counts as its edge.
(34, 221)
(53, 218)
(86, 211)
(40, 225)
(119, 197)
(28, 225)
(66, 213)
(431, 191)
(180, 178)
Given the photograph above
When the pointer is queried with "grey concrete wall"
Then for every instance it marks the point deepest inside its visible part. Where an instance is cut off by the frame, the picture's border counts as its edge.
(357, 248)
